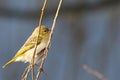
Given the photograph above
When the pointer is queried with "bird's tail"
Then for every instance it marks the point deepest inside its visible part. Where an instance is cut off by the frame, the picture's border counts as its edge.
(8, 63)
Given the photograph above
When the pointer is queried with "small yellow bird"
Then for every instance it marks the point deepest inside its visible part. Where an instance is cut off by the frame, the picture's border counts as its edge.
(25, 54)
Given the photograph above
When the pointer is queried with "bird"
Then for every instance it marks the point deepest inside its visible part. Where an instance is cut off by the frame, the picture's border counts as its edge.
(25, 53)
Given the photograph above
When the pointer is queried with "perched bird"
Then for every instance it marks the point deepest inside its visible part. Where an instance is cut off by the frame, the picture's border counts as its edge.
(25, 54)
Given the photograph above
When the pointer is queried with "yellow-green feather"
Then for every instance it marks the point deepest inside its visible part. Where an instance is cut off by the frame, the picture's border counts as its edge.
(10, 62)
(30, 43)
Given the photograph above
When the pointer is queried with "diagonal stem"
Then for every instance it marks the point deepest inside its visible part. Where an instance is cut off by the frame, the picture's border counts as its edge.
(47, 48)
(40, 22)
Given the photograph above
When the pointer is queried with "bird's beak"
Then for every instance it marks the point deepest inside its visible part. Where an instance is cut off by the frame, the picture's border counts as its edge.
(49, 30)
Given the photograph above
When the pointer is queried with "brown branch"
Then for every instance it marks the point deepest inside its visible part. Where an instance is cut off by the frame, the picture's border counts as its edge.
(40, 23)
(50, 37)
(31, 66)
(25, 73)
(94, 73)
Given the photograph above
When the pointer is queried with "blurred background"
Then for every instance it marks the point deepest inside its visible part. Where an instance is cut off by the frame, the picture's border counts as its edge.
(87, 32)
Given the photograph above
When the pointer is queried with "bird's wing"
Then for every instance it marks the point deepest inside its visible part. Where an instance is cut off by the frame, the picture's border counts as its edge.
(29, 44)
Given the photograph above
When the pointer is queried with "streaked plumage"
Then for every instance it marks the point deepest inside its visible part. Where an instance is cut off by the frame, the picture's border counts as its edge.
(25, 54)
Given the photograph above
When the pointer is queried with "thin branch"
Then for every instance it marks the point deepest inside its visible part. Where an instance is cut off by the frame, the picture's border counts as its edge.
(26, 72)
(31, 66)
(94, 73)
(50, 37)
(40, 23)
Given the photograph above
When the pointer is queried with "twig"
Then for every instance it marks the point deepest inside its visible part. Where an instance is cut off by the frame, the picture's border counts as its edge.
(25, 74)
(47, 48)
(31, 66)
(94, 73)
(40, 22)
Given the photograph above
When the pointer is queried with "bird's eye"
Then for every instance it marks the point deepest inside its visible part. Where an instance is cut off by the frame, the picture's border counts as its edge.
(45, 30)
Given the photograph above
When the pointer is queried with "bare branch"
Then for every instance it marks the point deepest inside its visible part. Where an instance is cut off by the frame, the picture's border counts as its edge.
(47, 48)
(40, 23)
(94, 73)
(31, 66)
(26, 72)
